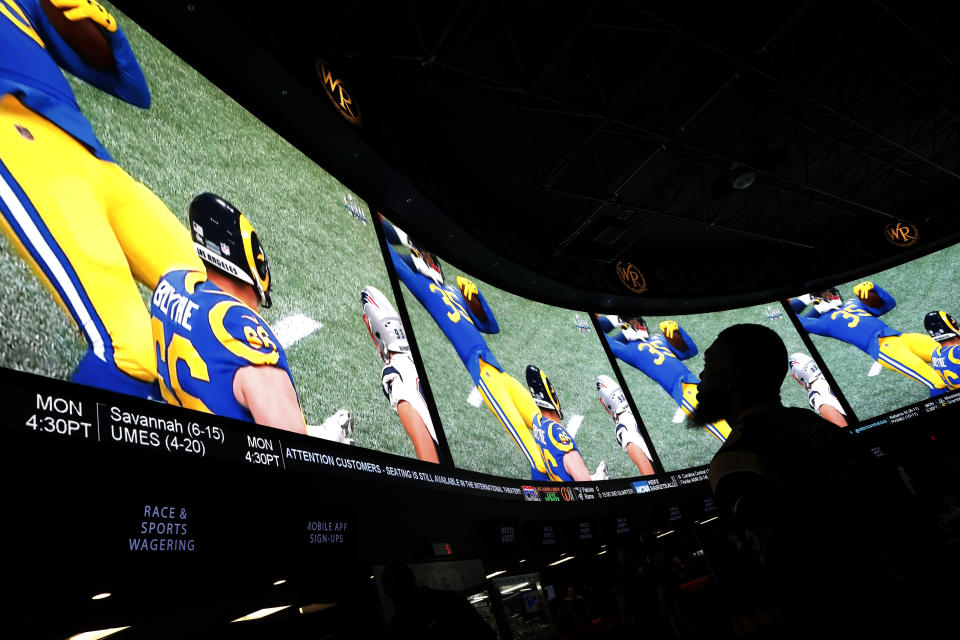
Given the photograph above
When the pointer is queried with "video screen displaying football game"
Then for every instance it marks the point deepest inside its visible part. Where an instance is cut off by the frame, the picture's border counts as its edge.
(87, 240)
(661, 359)
(478, 344)
(872, 336)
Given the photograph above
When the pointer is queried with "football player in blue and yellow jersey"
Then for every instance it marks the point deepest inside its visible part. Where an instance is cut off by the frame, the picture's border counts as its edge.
(946, 357)
(559, 451)
(87, 229)
(214, 352)
(857, 322)
(462, 314)
(660, 359)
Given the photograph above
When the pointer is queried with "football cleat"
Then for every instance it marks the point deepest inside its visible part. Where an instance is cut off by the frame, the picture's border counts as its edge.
(383, 323)
(225, 240)
(827, 300)
(426, 262)
(941, 326)
(611, 396)
(805, 371)
(634, 328)
(601, 473)
(544, 395)
(339, 427)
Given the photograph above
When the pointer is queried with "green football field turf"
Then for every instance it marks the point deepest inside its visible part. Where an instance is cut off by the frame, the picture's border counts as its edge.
(919, 286)
(194, 138)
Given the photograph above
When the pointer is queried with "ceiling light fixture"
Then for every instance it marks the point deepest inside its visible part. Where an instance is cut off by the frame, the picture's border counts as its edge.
(96, 635)
(261, 613)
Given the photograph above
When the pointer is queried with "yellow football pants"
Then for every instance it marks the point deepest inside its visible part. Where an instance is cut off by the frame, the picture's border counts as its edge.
(909, 354)
(87, 229)
(720, 429)
(511, 403)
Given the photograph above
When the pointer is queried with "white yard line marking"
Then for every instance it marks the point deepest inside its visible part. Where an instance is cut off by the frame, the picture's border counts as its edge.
(292, 329)
(574, 424)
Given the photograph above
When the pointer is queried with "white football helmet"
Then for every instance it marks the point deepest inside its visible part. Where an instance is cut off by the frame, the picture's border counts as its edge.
(611, 395)
(827, 300)
(804, 370)
(383, 323)
(426, 263)
(634, 328)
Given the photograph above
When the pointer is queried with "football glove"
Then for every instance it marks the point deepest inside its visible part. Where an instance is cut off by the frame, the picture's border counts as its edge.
(820, 394)
(668, 328)
(863, 289)
(75, 10)
(467, 288)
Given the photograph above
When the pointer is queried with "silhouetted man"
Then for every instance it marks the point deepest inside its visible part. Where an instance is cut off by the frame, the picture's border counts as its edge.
(803, 502)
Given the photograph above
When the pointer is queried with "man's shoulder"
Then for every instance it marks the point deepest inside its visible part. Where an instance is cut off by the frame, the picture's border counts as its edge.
(787, 425)
(243, 332)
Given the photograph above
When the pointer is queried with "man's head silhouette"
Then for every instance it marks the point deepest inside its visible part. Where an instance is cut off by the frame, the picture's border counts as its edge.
(743, 368)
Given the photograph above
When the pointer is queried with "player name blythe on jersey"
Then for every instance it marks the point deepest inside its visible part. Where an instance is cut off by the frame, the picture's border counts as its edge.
(175, 306)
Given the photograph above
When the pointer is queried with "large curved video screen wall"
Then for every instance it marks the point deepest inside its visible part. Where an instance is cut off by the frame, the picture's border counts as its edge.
(86, 229)
(876, 335)
(163, 243)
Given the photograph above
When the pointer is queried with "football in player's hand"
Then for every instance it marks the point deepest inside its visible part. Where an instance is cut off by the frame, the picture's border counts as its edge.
(84, 36)
(671, 331)
(471, 297)
(867, 294)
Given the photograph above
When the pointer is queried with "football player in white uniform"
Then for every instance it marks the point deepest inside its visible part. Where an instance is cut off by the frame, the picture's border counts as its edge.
(401, 382)
(628, 432)
(806, 372)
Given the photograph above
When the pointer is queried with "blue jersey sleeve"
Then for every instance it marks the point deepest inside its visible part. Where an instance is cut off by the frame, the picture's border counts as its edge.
(488, 324)
(814, 325)
(242, 332)
(691, 346)
(606, 325)
(125, 81)
(619, 349)
(408, 276)
(888, 302)
(796, 305)
(390, 232)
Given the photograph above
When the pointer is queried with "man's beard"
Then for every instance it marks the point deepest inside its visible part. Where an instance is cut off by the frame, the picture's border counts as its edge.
(711, 407)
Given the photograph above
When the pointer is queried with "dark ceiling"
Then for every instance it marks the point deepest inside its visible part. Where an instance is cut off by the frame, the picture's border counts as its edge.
(567, 139)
